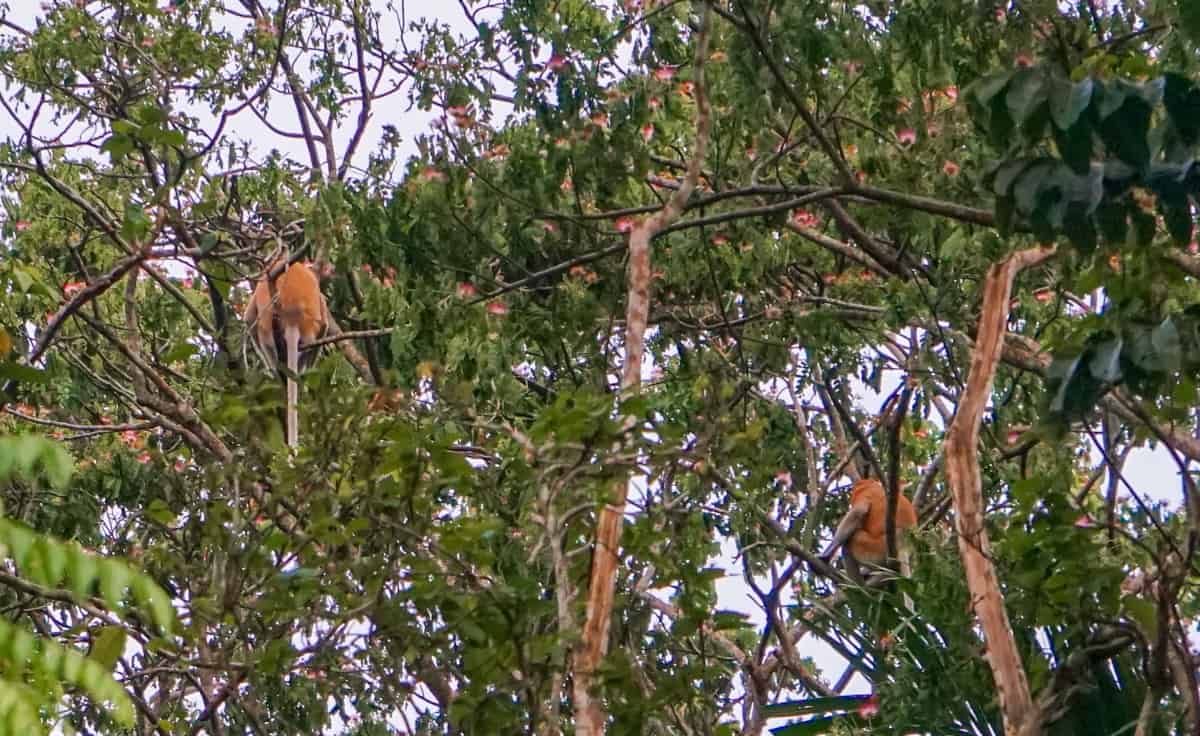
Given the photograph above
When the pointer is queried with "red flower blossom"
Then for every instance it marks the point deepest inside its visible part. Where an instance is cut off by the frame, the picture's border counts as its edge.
(869, 707)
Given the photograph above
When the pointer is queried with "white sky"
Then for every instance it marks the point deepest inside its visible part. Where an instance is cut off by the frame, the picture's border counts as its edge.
(1152, 473)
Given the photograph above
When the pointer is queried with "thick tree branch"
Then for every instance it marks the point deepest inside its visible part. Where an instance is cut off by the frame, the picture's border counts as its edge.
(589, 712)
(1021, 716)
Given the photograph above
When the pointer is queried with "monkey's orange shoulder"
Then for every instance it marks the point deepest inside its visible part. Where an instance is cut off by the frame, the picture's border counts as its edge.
(870, 492)
(298, 293)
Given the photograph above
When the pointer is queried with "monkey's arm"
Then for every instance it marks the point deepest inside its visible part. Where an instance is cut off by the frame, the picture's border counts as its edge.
(851, 523)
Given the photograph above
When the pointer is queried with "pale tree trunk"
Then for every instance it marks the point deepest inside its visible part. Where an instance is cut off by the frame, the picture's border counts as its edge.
(590, 715)
(1021, 716)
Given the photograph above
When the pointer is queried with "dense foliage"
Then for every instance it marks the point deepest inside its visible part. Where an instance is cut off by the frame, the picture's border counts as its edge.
(420, 564)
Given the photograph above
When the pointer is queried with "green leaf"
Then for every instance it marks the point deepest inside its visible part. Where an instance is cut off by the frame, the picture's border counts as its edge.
(108, 644)
(136, 224)
(82, 569)
(1112, 218)
(1068, 101)
(160, 512)
(114, 581)
(1075, 146)
(27, 451)
(1031, 183)
(1182, 99)
(57, 464)
(1079, 229)
(1143, 226)
(1177, 216)
(118, 147)
(1105, 361)
(1026, 94)
(1109, 98)
(818, 726)
(1059, 375)
(1006, 175)
(814, 706)
(23, 373)
(1167, 345)
(1125, 131)
(985, 89)
(181, 352)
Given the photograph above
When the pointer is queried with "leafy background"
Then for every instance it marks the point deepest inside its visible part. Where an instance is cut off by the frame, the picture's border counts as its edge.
(417, 566)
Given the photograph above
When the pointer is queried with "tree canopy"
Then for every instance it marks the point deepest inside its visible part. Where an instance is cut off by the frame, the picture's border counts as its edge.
(660, 280)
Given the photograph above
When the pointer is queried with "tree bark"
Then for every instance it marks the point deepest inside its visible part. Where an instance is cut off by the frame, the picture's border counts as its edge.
(590, 715)
(1021, 716)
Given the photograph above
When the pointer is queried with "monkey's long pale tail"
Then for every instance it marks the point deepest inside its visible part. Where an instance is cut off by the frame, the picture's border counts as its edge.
(291, 336)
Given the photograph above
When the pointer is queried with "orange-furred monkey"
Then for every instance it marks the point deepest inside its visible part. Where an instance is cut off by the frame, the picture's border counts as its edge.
(863, 530)
(296, 319)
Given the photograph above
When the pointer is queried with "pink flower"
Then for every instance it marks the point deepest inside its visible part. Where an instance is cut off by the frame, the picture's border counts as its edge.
(1023, 59)
(466, 290)
(719, 239)
(549, 226)
(1084, 522)
(664, 73)
(556, 62)
(647, 132)
(497, 308)
(623, 224)
(73, 287)
(950, 168)
(804, 218)
(951, 93)
(429, 173)
(144, 458)
(869, 707)
(906, 137)
(21, 225)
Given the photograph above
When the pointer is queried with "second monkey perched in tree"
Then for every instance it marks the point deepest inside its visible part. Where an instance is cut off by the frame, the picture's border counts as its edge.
(296, 318)
(863, 530)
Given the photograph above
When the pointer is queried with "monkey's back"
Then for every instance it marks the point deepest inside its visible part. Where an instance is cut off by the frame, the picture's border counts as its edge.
(870, 541)
(298, 295)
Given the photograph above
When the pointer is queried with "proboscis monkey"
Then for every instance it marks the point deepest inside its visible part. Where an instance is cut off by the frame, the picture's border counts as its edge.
(863, 530)
(297, 318)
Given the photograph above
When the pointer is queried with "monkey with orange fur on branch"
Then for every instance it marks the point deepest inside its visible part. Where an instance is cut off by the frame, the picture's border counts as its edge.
(286, 317)
(862, 532)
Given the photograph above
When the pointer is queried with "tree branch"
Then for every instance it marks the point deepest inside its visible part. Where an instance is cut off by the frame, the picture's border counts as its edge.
(1021, 716)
